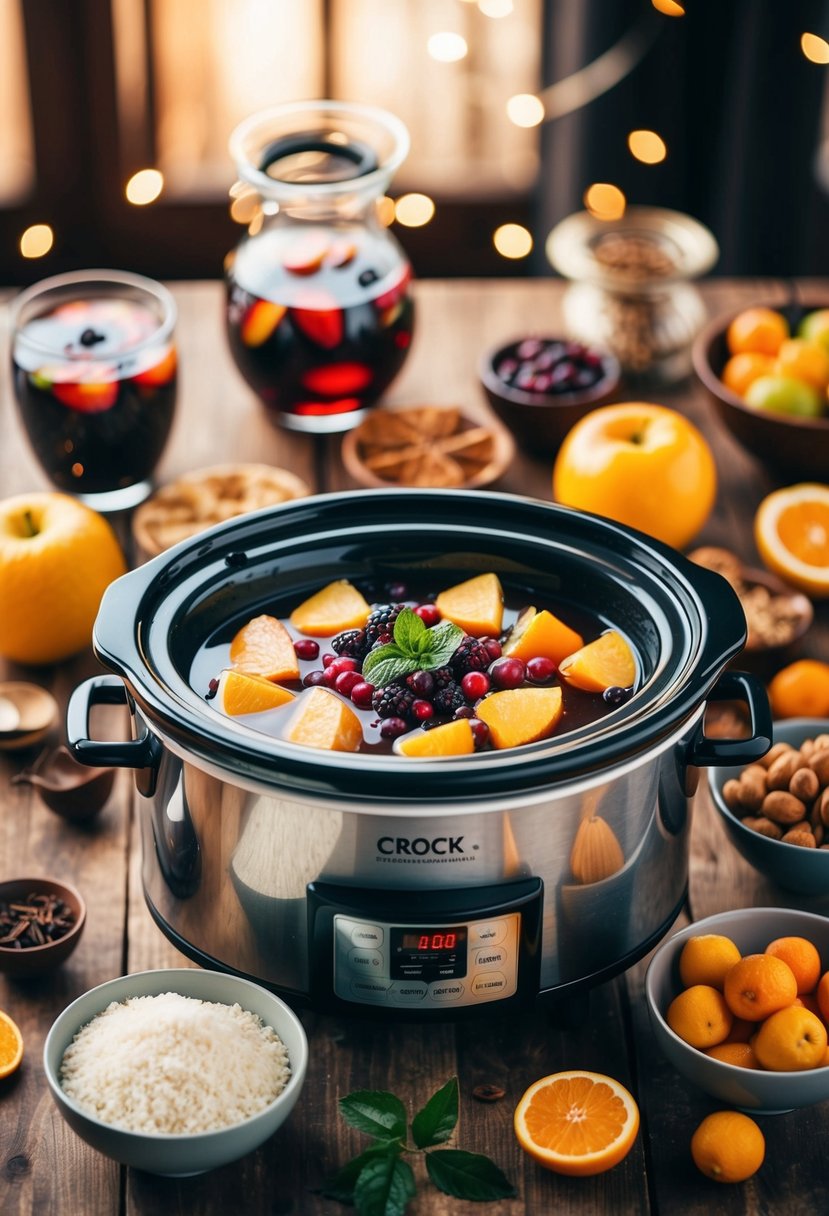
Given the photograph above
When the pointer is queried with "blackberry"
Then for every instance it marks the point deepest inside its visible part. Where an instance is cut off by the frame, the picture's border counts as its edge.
(351, 643)
(448, 698)
(381, 621)
(471, 655)
(394, 700)
(443, 676)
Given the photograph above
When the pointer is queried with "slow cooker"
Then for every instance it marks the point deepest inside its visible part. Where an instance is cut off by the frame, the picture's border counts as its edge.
(411, 886)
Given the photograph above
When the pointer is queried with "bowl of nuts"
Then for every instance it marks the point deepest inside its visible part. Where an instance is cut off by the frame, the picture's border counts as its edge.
(776, 811)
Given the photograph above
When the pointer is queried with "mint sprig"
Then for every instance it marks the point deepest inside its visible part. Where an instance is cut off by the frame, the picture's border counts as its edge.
(415, 648)
(379, 1182)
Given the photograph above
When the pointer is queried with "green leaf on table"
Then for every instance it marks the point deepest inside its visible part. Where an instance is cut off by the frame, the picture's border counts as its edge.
(375, 1112)
(387, 663)
(468, 1175)
(341, 1185)
(384, 1187)
(436, 1122)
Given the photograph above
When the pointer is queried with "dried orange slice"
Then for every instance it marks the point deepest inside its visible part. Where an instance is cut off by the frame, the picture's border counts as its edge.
(607, 662)
(264, 647)
(791, 530)
(240, 693)
(541, 635)
(336, 607)
(520, 715)
(476, 605)
(324, 720)
(11, 1045)
(577, 1122)
(451, 739)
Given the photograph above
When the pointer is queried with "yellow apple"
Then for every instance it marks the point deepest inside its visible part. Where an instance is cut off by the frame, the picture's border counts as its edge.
(643, 465)
(57, 557)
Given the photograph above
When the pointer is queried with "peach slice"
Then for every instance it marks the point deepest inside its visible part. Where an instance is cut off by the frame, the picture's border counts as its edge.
(477, 605)
(541, 635)
(452, 739)
(520, 715)
(323, 719)
(260, 321)
(241, 693)
(264, 647)
(607, 662)
(336, 607)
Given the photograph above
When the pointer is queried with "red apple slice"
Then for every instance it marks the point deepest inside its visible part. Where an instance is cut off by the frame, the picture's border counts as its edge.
(318, 316)
(161, 372)
(307, 253)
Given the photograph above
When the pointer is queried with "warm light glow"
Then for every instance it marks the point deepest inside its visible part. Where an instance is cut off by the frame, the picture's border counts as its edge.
(495, 8)
(671, 8)
(37, 241)
(244, 207)
(512, 241)
(414, 210)
(447, 47)
(815, 48)
(647, 146)
(144, 187)
(525, 110)
(604, 201)
(384, 206)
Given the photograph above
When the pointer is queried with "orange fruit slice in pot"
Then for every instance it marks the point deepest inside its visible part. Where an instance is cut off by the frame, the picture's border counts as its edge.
(240, 693)
(791, 531)
(451, 739)
(577, 1122)
(337, 606)
(323, 719)
(11, 1045)
(517, 716)
(541, 635)
(607, 662)
(476, 605)
(263, 647)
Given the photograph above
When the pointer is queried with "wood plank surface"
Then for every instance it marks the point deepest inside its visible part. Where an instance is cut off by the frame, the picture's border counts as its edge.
(44, 1167)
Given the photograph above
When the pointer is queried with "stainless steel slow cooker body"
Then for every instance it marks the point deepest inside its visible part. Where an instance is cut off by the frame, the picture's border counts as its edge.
(337, 878)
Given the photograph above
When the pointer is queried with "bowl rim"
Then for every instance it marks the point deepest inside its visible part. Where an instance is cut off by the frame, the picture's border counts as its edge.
(292, 1087)
(700, 349)
(492, 382)
(707, 925)
(7, 952)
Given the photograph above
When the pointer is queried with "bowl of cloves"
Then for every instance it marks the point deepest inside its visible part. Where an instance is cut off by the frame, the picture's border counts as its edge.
(41, 921)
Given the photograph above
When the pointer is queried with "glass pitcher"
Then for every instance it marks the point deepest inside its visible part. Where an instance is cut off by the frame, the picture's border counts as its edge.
(319, 306)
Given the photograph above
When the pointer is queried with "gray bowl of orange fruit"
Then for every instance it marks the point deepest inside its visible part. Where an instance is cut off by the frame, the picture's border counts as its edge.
(766, 369)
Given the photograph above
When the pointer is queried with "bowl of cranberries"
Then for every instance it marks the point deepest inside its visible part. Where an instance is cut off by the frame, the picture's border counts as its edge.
(540, 387)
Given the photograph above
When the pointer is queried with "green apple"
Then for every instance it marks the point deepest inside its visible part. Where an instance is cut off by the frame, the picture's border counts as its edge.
(784, 395)
(815, 327)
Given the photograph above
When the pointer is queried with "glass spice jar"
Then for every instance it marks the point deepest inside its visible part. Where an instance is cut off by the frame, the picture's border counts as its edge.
(630, 291)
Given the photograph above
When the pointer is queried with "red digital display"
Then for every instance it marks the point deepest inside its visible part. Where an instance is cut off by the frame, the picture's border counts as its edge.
(437, 941)
(429, 952)
(431, 941)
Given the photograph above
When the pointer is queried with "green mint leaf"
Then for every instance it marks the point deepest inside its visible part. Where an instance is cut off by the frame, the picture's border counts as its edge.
(384, 1187)
(408, 629)
(374, 1112)
(383, 668)
(444, 640)
(436, 1122)
(341, 1185)
(468, 1175)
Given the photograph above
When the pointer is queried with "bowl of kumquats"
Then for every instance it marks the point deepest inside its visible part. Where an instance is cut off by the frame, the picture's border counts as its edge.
(739, 1004)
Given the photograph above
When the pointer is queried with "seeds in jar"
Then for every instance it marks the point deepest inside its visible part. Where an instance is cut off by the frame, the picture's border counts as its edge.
(785, 795)
(173, 1064)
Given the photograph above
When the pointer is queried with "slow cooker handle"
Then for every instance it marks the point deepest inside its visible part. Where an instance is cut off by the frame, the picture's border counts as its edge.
(141, 753)
(735, 686)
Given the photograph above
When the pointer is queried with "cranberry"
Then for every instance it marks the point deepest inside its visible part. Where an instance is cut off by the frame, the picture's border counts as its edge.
(507, 673)
(475, 684)
(423, 710)
(329, 676)
(616, 695)
(390, 728)
(422, 683)
(347, 680)
(397, 591)
(361, 693)
(493, 647)
(480, 732)
(343, 663)
(540, 670)
(313, 679)
(464, 711)
(305, 648)
(529, 348)
(429, 614)
(328, 658)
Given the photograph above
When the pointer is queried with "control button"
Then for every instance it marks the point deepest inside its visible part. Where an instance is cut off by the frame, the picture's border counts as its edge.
(365, 960)
(370, 990)
(495, 957)
(446, 992)
(408, 992)
(367, 935)
(489, 983)
(487, 933)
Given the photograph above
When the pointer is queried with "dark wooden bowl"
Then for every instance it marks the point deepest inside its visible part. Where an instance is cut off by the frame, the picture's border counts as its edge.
(36, 960)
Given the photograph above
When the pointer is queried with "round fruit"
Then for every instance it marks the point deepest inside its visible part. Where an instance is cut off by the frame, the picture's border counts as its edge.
(700, 1016)
(705, 959)
(779, 394)
(760, 330)
(758, 985)
(728, 1146)
(11, 1045)
(801, 690)
(577, 1123)
(57, 557)
(644, 465)
(791, 531)
(507, 673)
(804, 360)
(540, 670)
(791, 1040)
(803, 958)
(742, 370)
(815, 327)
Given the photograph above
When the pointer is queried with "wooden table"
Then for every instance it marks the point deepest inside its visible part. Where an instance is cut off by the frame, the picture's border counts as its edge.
(44, 1167)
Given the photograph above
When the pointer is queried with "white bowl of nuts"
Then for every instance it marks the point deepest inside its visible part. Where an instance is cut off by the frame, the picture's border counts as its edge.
(776, 811)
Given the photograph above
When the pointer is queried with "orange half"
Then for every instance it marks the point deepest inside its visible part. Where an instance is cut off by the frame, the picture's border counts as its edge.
(791, 529)
(577, 1122)
(11, 1045)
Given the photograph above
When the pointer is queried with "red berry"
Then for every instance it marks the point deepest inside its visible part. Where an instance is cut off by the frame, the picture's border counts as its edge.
(343, 663)
(493, 647)
(392, 727)
(361, 693)
(347, 680)
(422, 710)
(329, 676)
(507, 673)
(429, 614)
(475, 684)
(306, 648)
(313, 678)
(480, 732)
(540, 670)
(464, 711)
(328, 658)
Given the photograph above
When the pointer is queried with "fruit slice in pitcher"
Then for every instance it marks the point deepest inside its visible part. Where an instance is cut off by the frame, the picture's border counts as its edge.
(324, 720)
(264, 648)
(307, 253)
(161, 372)
(86, 395)
(520, 715)
(476, 605)
(606, 663)
(260, 321)
(318, 316)
(541, 635)
(336, 607)
(241, 693)
(338, 379)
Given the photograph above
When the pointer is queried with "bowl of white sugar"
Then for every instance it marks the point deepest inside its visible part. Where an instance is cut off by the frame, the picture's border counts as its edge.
(177, 1071)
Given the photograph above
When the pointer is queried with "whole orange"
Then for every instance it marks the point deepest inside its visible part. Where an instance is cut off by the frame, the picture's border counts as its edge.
(56, 559)
(801, 690)
(643, 465)
(803, 958)
(700, 1016)
(728, 1146)
(822, 995)
(760, 330)
(759, 985)
(705, 959)
(805, 361)
(742, 370)
(791, 1040)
